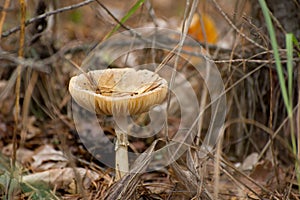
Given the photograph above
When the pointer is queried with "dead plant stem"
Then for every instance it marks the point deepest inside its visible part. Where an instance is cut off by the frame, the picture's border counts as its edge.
(25, 106)
(217, 165)
(201, 118)
(17, 93)
(2, 19)
(18, 81)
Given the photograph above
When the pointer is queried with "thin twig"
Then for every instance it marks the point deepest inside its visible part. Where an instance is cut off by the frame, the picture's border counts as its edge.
(189, 12)
(151, 12)
(250, 61)
(30, 63)
(217, 165)
(280, 127)
(227, 166)
(112, 15)
(47, 14)
(235, 28)
(186, 23)
(279, 25)
(91, 80)
(26, 104)
(193, 125)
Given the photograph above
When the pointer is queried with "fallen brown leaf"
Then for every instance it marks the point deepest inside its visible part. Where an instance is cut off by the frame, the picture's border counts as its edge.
(61, 178)
(46, 157)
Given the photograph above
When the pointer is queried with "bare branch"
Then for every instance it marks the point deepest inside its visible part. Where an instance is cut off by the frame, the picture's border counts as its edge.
(25, 62)
(47, 14)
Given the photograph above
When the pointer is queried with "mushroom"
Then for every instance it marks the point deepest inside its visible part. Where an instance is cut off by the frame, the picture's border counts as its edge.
(119, 92)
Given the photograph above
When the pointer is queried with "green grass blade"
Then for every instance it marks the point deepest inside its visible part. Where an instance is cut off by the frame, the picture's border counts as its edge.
(276, 55)
(134, 8)
(289, 48)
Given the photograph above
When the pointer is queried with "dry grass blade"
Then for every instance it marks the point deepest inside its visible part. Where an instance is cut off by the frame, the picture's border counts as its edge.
(9, 87)
(152, 86)
(148, 87)
(193, 184)
(166, 59)
(26, 103)
(188, 16)
(186, 177)
(112, 15)
(18, 81)
(110, 85)
(217, 166)
(242, 174)
(91, 80)
(17, 94)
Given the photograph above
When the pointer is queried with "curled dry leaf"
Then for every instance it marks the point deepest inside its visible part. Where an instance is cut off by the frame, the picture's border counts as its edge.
(46, 157)
(250, 161)
(61, 178)
(24, 155)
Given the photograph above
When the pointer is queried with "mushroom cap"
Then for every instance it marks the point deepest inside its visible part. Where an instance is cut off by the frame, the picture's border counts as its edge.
(118, 91)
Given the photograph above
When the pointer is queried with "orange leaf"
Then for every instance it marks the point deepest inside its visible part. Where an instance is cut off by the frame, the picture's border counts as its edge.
(210, 30)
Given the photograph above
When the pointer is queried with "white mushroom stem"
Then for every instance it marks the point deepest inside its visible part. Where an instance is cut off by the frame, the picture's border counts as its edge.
(122, 166)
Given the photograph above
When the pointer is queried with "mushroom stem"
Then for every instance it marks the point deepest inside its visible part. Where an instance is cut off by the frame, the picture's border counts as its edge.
(122, 166)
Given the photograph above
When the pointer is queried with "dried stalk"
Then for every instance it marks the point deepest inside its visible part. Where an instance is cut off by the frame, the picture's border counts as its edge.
(2, 19)
(25, 106)
(10, 189)
(18, 81)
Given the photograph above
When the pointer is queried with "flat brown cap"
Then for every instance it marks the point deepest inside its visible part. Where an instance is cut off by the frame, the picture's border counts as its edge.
(118, 91)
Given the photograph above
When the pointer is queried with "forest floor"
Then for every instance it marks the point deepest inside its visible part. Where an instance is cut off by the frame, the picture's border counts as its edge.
(51, 148)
